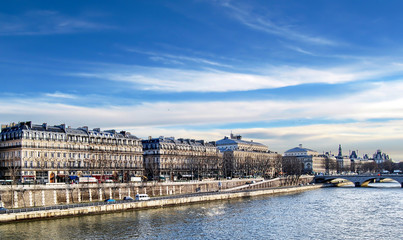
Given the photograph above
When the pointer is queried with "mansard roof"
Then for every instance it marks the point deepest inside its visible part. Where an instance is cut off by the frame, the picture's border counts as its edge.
(179, 141)
(299, 149)
(231, 141)
(34, 127)
(83, 131)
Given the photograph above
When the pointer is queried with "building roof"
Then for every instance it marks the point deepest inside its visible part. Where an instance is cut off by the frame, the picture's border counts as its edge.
(179, 141)
(299, 149)
(83, 131)
(237, 140)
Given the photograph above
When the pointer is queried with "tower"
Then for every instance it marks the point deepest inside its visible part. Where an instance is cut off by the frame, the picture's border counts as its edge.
(340, 155)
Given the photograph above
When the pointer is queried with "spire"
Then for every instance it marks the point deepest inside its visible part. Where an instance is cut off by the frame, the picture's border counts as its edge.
(340, 153)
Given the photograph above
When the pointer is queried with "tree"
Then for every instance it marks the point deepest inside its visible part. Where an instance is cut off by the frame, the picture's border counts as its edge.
(292, 165)
(370, 166)
(387, 165)
(228, 163)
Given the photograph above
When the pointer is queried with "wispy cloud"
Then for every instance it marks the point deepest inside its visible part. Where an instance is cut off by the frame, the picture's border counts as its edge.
(300, 50)
(382, 101)
(42, 22)
(177, 59)
(60, 95)
(364, 136)
(265, 24)
(211, 80)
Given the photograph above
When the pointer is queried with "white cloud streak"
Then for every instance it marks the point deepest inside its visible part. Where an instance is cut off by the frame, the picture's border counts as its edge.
(267, 25)
(61, 95)
(381, 102)
(210, 80)
(177, 59)
(46, 23)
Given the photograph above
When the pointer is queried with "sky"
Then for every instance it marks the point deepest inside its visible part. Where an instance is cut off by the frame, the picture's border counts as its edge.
(318, 73)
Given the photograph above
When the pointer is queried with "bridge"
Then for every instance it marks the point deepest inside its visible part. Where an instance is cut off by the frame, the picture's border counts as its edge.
(360, 180)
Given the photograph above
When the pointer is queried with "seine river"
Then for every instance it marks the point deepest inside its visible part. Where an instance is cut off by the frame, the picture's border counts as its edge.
(375, 212)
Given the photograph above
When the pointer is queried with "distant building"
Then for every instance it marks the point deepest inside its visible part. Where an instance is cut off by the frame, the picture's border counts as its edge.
(380, 157)
(31, 152)
(170, 158)
(343, 162)
(247, 158)
(310, 160)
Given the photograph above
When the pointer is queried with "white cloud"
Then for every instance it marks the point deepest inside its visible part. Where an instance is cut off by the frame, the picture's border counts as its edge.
(177, 59)
(267, 25)
(210, 80)
(61, 95)
(42, 22)
(381, 102)
(366, 137)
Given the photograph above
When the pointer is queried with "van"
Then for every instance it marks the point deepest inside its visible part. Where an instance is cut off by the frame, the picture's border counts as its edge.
(142, 197)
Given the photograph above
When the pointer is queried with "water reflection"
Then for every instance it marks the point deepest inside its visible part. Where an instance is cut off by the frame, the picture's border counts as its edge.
(332, 213)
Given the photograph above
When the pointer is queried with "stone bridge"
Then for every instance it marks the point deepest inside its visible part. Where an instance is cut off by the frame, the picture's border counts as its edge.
(360, 180)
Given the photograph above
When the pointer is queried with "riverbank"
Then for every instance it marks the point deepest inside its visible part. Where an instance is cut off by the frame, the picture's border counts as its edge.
(100, 209)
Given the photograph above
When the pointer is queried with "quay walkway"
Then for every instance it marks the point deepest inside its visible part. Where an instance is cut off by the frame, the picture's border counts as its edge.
(123, 205)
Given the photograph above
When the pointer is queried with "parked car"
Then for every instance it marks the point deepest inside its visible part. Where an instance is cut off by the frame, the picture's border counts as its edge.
(142, 197)
(110, 200)
(3, 210)
(128, 198)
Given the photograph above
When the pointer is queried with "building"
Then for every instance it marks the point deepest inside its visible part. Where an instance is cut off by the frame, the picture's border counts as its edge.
(300, 151)
(31, 152)
(170, 158)
(344, 163)
(380, 157)
(247, 158)
(305, 160)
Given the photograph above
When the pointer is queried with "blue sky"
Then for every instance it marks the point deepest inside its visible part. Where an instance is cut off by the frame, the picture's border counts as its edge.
(319, 73)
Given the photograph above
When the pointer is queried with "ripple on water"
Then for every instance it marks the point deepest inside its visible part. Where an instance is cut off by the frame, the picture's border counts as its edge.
(331, 213)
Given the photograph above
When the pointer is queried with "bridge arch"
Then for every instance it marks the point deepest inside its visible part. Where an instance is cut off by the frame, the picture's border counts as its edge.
(361, 180)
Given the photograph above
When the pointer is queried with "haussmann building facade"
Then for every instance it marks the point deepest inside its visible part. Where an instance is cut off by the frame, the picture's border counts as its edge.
(248, 158)
(171, 159)
(42, 153)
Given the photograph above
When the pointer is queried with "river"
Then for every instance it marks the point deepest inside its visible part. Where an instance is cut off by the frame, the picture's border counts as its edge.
(374, 212)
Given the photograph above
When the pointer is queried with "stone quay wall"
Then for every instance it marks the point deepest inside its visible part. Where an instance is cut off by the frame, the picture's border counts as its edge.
(148, 204)
(24, 196)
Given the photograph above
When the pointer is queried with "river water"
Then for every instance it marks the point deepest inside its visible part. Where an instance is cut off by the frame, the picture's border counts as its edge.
(375, 212)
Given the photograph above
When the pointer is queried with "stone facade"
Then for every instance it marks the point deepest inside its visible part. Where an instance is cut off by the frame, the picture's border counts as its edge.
(170, 158)
(311, 161)
(248, 158)
(42, 153)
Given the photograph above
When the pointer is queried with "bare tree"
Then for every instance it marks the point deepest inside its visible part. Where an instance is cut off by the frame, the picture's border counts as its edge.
(293, 167)
(370, 166)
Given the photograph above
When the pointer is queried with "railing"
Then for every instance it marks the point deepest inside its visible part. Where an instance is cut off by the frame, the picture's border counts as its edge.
(68, 206)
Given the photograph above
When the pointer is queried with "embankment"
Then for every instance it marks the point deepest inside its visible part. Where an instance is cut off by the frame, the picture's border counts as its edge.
(55, 213)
